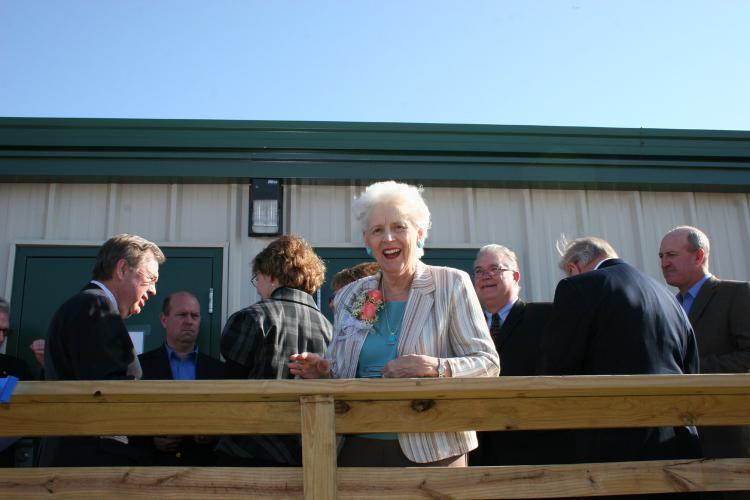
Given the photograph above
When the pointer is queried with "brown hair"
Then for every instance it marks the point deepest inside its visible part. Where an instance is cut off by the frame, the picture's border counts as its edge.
(350, 274)
(165, 306)
(292, 262)
(130, 247)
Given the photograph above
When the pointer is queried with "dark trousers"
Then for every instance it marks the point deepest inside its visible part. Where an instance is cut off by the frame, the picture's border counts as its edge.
(88, 452)
(365, 452)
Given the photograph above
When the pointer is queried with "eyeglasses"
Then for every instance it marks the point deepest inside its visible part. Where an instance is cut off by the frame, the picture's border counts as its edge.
(254, 280)
(149, 279)
(491, 272)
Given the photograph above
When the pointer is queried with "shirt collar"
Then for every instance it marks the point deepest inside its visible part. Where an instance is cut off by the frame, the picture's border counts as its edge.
(108, 293)
(503, 312)
(693, 290)
(171, 352)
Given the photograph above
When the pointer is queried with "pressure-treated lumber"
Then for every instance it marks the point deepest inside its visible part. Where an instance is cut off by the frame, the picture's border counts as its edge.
(551, 481)
(318, 447)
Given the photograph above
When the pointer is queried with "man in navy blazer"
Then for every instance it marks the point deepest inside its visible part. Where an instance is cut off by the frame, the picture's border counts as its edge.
(87, 340)
(610, 318)
(178, 359)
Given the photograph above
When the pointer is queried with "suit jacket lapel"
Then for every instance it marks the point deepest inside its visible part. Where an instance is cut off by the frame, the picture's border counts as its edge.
(704, 297)
(418, 307)
(165, 369)
(509, 325)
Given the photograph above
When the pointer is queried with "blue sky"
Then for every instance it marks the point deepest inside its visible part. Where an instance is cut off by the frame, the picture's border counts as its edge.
(634, 63)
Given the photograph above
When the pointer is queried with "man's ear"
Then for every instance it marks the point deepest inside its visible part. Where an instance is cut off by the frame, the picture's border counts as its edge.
(517, 276)
(121, 268)
(163, 320)
(700, 256)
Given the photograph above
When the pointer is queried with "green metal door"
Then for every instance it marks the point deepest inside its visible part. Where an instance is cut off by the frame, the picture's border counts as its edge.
(337, 259)
(45, 276)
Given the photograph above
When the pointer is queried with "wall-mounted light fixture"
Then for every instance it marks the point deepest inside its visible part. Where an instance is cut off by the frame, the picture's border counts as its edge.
(266, 202)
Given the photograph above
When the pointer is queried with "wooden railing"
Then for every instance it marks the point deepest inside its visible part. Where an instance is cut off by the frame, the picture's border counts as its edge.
(319, 409)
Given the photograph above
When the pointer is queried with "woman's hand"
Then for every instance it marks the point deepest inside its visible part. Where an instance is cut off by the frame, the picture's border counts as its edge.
(412, 366)
(309, 365)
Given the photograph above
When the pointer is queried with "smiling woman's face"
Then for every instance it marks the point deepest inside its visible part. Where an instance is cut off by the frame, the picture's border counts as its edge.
(393, 238)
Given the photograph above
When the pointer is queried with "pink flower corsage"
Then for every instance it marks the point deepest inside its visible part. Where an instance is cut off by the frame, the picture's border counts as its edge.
(366, 306)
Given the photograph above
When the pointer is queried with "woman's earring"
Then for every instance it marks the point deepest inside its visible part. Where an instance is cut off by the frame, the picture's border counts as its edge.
(420, 243)
(369, 251)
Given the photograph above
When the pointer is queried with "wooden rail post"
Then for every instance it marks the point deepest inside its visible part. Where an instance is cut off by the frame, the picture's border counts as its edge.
(318, 447)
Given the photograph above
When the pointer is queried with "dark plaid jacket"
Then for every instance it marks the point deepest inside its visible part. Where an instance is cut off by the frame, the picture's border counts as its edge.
(256, 343)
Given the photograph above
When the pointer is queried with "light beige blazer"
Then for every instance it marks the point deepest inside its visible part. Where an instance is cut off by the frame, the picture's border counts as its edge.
(443, 318)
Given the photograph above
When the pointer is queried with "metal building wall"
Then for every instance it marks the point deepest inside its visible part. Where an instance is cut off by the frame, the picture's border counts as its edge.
(527, 220)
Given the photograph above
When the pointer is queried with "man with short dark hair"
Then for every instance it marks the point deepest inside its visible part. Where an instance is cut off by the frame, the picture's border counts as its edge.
(88, 340)
(719, 311)
(178, 359)
(611, 319)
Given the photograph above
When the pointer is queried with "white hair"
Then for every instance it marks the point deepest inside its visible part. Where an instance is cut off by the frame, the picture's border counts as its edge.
(500, 251)
(391, 191)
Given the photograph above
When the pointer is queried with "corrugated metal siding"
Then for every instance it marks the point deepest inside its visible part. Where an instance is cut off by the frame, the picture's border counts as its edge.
(527, 220)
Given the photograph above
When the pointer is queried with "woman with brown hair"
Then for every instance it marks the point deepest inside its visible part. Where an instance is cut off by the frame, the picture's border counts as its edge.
(258, 340)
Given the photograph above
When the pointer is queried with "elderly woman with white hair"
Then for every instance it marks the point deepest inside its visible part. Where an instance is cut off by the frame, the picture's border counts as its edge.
(408, 320)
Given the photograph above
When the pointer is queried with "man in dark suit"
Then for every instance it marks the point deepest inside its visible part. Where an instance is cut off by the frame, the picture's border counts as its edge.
(515, 327)
(719, 311)
(178, 359)
(10, 366)
(87, 340)
(610, 318)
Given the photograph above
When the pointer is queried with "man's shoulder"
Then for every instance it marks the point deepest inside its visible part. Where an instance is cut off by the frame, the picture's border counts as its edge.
(11, 365)
(89, 295)
(152, 354)
(210, 366)
(733, 285)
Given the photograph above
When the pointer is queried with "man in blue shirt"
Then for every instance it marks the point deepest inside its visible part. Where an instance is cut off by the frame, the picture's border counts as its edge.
(719, 311)
(178, 359)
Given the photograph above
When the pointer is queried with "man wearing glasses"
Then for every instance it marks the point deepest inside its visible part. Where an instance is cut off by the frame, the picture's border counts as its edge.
(87, 340)
(515, 327)
(10, 365)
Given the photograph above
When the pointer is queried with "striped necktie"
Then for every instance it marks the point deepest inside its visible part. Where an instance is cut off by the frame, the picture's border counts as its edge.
(495, 329)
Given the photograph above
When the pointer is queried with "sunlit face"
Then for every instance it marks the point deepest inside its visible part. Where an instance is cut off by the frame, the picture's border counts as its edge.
(680, 266)
(393, 239)
(183, 321)
(495, 279)
(137, 285)
(4, 325)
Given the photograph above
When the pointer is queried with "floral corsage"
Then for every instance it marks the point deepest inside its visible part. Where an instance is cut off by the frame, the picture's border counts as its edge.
(366, 305)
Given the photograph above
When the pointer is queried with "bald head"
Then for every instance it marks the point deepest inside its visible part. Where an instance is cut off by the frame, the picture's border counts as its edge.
(684, 256)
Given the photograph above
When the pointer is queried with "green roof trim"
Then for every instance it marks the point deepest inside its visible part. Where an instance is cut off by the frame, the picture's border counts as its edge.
(122, 150)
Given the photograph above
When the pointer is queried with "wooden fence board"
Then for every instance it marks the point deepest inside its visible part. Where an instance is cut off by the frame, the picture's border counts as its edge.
(541, 413)
(147, 483)
(354, 483)
(172, 418)
(318, 447)
(380, 389)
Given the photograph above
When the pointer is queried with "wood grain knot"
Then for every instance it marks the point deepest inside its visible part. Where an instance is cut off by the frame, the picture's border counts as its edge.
(341, 407)
(421, 405)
